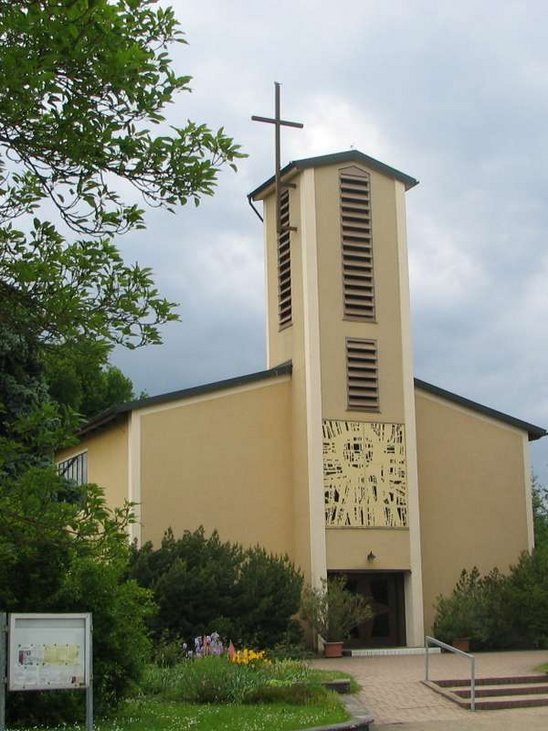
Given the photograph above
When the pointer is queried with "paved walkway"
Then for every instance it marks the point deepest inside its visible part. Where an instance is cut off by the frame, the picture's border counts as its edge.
(398, 701)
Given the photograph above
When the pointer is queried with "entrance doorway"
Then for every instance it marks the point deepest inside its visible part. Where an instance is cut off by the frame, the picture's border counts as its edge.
(386, 595)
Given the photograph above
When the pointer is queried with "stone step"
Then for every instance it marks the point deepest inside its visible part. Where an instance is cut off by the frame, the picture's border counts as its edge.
(495, 693)
(498, 680)
(525, 701)
(379, 651)
(491, 691)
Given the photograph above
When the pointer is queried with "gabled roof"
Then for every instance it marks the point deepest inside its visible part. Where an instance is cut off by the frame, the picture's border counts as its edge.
(112, 414)
(335, 159)
(534, 432)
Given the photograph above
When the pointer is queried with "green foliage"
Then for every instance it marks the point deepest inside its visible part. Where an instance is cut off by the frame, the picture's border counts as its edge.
(60, 548)
(57, 556)
(154, 714)
(472, 610)
(169, 651)
(333, 611)
(83, 80)
(215, 679)
(498, 611)
(202, 584)
(526, 600)
(146, 715)
(80, 377)
(540, 513)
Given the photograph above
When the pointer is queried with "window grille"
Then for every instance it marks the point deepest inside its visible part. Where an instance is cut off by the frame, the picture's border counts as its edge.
(75, 468)
(284, 264)
(357, 245)
(362, 374)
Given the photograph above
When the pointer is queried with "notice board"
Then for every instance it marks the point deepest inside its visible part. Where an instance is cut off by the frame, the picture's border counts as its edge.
(49, 651)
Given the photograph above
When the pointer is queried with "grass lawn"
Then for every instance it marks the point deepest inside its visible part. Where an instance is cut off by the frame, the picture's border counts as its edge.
(322, 675)
(156, 715)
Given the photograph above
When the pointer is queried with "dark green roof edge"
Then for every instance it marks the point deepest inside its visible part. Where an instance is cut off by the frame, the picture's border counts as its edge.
(113, 413)
(534, 432)
(337, 158)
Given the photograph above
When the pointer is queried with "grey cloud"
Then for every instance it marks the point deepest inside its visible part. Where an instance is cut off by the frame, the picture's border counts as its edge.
(455, 95)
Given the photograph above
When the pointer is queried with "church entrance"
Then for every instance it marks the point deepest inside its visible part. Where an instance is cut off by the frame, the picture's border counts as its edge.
(386, 595)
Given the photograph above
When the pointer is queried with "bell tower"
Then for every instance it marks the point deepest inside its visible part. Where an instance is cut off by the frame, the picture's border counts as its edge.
(338, 308)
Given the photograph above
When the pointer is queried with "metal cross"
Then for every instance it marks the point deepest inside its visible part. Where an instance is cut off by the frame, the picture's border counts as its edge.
(278, 123)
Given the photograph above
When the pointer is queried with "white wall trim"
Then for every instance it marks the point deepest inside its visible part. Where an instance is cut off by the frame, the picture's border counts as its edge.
(266, 216)
(134, 473)
(528, 487)
(71, 455)
(414, 609)
(311, 324)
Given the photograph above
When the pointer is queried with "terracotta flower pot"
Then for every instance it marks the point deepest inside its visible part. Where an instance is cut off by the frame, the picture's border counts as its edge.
(462, 643)
(332, 649)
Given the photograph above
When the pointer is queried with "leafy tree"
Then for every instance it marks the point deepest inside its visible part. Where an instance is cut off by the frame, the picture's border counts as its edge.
(80, 377)
(59, 556)
(202, 585)
(82, 82)
(540, 513)
(499, 611)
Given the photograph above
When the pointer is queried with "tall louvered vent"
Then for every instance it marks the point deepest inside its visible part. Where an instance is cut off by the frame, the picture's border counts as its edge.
(284, 264)
(361, 374)
(357, 249)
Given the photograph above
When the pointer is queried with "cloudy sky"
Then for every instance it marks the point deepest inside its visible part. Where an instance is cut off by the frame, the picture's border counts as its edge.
(454, 94)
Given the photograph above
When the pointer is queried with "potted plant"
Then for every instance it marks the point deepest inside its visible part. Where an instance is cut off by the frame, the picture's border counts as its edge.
(333, 612)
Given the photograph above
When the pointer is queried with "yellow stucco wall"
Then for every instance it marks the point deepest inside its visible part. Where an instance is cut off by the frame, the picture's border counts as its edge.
(471, 491)
(222, 461)
(107, 460)
(348, 548)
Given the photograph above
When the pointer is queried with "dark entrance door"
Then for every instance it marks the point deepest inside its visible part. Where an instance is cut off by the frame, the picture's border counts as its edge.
(386, 595)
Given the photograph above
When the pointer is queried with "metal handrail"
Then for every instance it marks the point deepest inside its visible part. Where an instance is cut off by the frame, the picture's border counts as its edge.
(433, 641)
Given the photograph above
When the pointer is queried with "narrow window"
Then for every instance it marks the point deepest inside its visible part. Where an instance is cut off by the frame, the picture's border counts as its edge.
(284, 264)
(75, 468)
(362, 375)
(357, 245)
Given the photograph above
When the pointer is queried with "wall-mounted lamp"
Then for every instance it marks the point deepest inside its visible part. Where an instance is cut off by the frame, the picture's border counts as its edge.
(371, 556)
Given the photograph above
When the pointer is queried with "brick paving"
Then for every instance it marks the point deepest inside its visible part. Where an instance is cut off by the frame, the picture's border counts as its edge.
(395, 697)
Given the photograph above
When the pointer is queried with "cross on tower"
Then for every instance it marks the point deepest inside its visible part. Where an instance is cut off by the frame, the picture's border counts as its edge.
(278, 123)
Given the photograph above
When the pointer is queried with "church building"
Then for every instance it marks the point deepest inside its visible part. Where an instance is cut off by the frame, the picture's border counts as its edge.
(335, 454)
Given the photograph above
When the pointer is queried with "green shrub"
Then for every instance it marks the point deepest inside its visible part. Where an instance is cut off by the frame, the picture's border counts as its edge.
(526, 601)
(76, 565)
(498, 611)
(289, 671)
(168, 652)
(214, 679)
(201, 585)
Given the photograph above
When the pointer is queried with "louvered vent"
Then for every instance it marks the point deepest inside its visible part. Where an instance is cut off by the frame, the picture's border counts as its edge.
(284, 264)
(357, 249)
(361, 374)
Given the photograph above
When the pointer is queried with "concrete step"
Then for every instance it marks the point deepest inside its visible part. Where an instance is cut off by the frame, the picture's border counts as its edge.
(497, 680)
(491, 691)
(379, 651)
(496, 693)
(499, 703)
